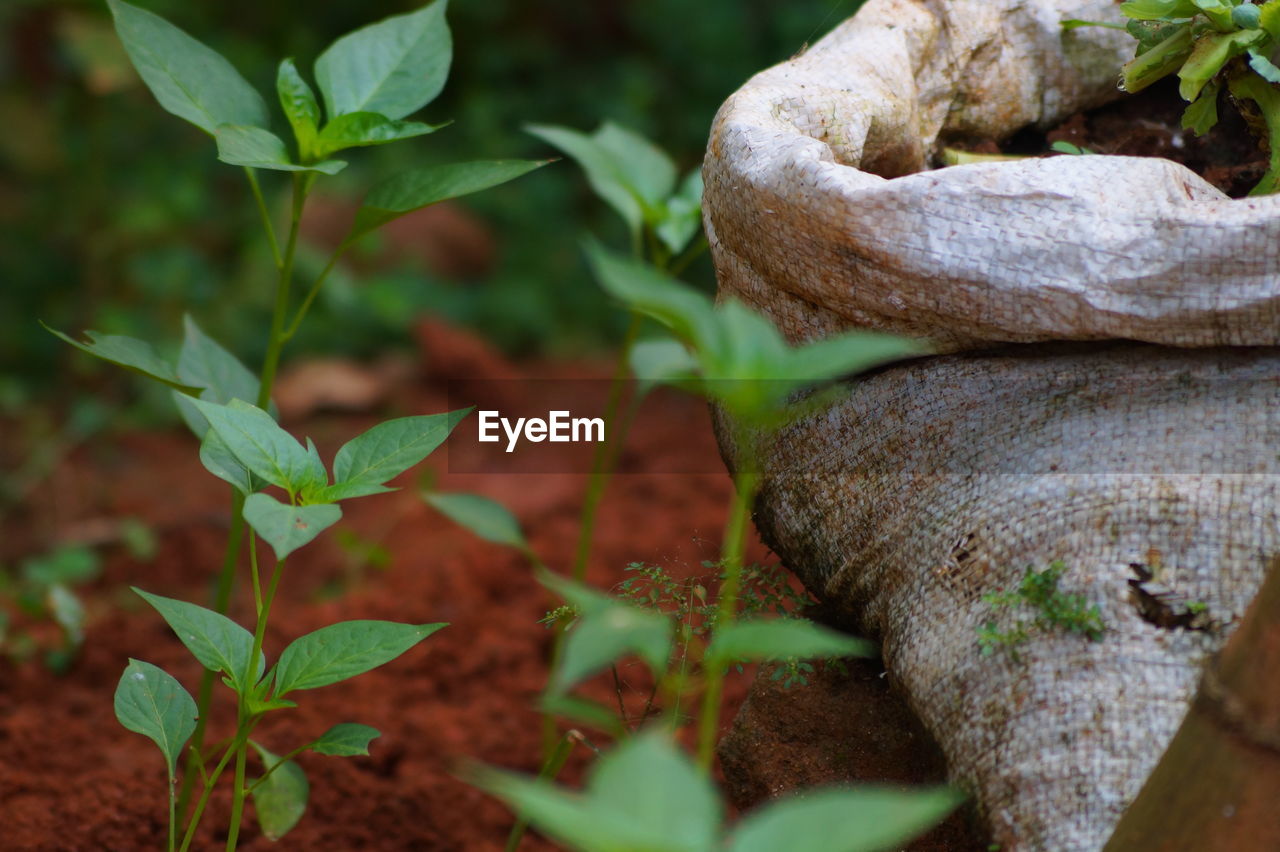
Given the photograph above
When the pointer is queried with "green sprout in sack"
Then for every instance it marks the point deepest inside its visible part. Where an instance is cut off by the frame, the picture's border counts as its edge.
(1213, 46)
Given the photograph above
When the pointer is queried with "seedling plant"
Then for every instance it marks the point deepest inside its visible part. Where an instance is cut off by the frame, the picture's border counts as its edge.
(1215, 47)
(369, 81)
(1052, 610)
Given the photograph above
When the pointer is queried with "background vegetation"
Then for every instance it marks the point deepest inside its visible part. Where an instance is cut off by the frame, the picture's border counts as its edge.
(96, 231)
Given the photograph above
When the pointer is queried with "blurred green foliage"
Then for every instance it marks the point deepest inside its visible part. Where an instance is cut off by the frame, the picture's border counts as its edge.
(116, 216)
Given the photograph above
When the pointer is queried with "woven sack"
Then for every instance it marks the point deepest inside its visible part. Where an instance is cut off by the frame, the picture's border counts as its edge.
(1105, 395)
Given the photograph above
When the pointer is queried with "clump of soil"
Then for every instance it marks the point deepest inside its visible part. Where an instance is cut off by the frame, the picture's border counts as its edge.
(1149, 124)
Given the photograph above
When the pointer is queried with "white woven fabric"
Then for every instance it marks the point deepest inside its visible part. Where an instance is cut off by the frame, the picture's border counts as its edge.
(941, 480)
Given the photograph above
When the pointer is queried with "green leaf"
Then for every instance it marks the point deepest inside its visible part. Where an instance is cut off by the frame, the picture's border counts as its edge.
(218, 459)
(1157, 63)
(345, 740)
(846, 354)
(391, 448)
(188, 79)
(485, 518)
(242, 145)
(1211, 52)
(682, 215)
(1157, 10)
(149, 701)
(134, 355)
(344, 650)
(367, 128)
(780, 639)
(1269, 18)
(287, 528)
(843, 820)
(583, 711)
(346, 491)
(300, 107)
(661, 361)
(262, 446)
(644, 795)
(216, 641)
(204, 363)
(393, 67)
(627, 171)
(67, 612)
(1202, 114)
(420, 188)
(607, 630)
(643, 289)
(281, 799)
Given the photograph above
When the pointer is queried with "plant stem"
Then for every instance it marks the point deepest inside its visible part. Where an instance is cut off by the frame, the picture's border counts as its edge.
(210, 780)
(238, 791)
(746, 481)
(266, 217)
(173, 799)
(277, 340)
(221, 602)
(315, 289)
(550, 769)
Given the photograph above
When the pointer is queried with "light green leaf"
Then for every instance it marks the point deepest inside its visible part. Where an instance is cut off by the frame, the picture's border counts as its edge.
(134, 355)
(241, 145)
(420, 188)
(843, 820)
(346, 491)
(300, 107)
(393, 67)
(781, 639)
(682, 214)
(344, 650)
(345, 740)
(149, 701)
(644, 795)
(1202, 114)
(1158, 62)
(606, 631)
(262, 446)
(1211, 52)
(67, 611)
(661, 361)
(583, 711)
(367, 128)
(1157, 10)
(646, 169)
(281, 799)
(287, 528)
(1264, 67)
(1269, 18)
(485, 518)
(216, 641)
(204, 363)
(188, 79)
(218, 459)
(847, 354)
(391, 448)
(643, 289)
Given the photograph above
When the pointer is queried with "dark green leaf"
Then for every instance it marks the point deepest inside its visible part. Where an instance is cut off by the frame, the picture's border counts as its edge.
(346, 491)
(852, 820)
(134, 355)
(643, 289)
(393, 67)
(345, 740)
(149, 701)
(216, 641)
(391, 448)
(188, 79)
(286, 528)
(218, 459)
(487, 519)
(344, 650)
(419, 188)
(281, 799)
(241, 145)
(1202, 114)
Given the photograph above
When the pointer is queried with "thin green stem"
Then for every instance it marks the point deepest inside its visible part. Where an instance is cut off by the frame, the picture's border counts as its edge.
(204, 695)
(238, 791)
(173, 801)
(746, 481)
(311, 294)
(266, 217)
(281, 762)
(253, 575)
(210, 780)
(276, 342)
(689, 256)
(550, 769)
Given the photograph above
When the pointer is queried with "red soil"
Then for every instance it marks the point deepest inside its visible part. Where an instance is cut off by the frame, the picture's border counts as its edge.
(73, 779)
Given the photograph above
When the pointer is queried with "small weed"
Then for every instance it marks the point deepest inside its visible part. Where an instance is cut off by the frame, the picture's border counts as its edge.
(1054, 610)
